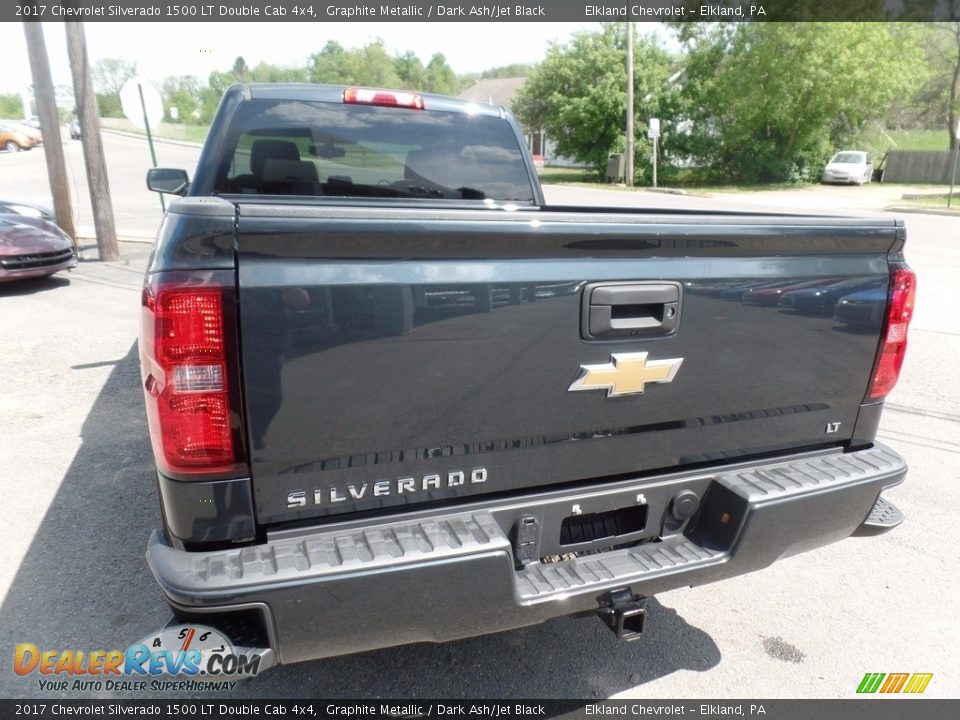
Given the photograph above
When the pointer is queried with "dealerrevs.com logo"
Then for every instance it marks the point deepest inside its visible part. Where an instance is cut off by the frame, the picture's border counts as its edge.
(887, 683)
(182, 657)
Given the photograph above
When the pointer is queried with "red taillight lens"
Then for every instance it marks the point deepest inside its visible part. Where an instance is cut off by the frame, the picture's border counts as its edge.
(902, 294)
(186, 373)
(388, 98)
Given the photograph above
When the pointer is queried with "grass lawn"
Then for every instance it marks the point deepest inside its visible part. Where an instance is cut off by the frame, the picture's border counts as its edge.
(167, 131)
(934, 201)
(555, 176)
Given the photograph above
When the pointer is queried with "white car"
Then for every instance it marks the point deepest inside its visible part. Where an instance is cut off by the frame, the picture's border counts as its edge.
(848, 166)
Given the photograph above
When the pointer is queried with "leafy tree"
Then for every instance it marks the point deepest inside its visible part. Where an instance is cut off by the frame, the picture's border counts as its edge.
(184, 94)
(770, 101)
(11, 106)
(938, 99)
(410, 70)
(108, 105)
(370, 65)
(265, 72)
(578, 93)
(110, 75)
(507, 71)
(440, 77)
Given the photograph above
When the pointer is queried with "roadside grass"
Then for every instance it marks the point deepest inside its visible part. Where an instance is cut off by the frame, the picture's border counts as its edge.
(556, 176)
(938, 201)
(165, 131)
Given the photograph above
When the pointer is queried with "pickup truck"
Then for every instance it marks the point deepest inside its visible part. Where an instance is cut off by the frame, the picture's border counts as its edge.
(394, 396)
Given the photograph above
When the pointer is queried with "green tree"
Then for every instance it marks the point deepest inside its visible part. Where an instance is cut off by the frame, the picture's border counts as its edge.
(108, 105)
(507, 71)
(11, 106)
(267, 73)
(578, 93)
(109, 77)
(770, 101)
(369, 65)
(938, 99)
(440, 77)
(184, 94)
(410, 71)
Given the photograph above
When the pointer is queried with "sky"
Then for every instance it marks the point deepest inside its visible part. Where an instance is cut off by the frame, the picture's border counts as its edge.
(162, 49)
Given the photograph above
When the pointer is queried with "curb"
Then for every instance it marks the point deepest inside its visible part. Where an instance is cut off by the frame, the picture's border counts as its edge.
(922, 211)
(667, 191)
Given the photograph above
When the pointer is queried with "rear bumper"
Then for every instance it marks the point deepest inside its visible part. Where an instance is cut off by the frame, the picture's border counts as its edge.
(434, 576)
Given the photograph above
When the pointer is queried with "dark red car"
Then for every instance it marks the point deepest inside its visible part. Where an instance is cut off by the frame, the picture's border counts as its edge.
(32, 247)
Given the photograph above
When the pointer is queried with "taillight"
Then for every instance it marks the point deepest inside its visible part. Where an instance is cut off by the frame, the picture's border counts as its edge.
(188, 364)
(388, 98)
(900, 301)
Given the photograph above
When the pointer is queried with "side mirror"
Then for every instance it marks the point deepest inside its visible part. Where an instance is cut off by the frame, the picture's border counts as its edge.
(172, 181)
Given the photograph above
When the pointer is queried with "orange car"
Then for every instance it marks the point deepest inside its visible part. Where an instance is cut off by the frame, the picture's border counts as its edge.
(14, 138)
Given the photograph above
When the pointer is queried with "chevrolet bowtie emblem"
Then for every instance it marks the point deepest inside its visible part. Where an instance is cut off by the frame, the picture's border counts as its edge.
(625, 374)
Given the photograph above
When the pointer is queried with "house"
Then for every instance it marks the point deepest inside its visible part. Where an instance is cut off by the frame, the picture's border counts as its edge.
(503, 91)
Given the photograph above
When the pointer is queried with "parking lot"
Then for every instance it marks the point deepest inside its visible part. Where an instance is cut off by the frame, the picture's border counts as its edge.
(76, 473)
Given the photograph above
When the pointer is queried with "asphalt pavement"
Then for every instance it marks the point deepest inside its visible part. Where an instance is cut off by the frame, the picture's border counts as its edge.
(76, 475)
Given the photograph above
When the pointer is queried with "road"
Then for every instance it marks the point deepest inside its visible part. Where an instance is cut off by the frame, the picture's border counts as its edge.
(76, 467)
(137, 211)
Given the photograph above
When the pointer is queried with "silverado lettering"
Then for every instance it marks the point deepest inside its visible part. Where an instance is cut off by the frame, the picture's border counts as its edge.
(364, 335)
(298, 498)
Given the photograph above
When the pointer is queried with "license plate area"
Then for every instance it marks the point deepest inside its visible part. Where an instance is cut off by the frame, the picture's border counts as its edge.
(609, 525)
(563, 523)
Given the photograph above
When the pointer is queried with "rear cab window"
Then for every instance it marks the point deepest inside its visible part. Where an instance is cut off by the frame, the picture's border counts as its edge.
(304, 148)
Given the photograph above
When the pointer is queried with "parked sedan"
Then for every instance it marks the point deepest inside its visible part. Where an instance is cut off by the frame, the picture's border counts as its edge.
(848, 166)
(14, 138)
(32, 247)
(35, 135)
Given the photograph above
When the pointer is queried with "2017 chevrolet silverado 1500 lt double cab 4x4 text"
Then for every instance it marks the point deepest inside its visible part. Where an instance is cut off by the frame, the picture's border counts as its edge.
(396, 397)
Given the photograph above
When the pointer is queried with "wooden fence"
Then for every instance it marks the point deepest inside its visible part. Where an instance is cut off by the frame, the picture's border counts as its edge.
(918, 166)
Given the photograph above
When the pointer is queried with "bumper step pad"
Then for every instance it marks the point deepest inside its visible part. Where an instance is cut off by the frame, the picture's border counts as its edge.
(541, 582)
(884, 517)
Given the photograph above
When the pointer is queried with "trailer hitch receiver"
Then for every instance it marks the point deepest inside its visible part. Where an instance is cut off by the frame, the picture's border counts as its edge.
(624, 613)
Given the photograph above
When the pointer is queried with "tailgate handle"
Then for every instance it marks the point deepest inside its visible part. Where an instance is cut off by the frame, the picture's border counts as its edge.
(626, 310)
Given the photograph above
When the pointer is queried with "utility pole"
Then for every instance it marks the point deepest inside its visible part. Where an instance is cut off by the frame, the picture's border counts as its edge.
(50, 127)
(629, 159)
(956, 154)
(92, 146)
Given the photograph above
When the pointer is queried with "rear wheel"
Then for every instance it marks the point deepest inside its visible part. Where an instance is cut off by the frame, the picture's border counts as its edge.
(11, 146)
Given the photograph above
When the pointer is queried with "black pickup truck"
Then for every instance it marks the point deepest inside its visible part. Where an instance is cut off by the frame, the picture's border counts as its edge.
(395, 396)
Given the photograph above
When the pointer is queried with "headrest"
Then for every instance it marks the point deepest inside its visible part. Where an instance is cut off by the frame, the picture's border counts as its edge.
(263, 150)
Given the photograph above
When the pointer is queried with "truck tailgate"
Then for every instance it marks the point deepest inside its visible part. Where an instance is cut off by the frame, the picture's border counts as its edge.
(395, 357)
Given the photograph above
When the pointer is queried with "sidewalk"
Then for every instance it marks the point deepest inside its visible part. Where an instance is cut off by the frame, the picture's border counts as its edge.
(127, 272)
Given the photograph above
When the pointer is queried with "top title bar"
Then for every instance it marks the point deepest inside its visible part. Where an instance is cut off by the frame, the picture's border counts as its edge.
(483, 10)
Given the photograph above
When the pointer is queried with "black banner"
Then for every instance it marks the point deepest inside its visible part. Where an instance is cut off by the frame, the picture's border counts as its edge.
(200, 709)
(480, 10)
